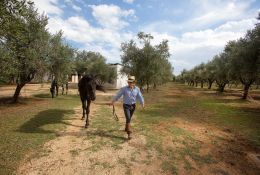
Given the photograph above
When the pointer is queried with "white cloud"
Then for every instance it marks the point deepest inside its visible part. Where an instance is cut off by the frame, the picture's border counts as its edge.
(204, 14)
(73, 6)
(192, 48)
(103, 40)
(237, 26)
(129, 1)
(196, 42)
(48, 7)
(76, 8)
(106, 39)
(214, 12)
(188, 50)
(111, 16)
(168, 27)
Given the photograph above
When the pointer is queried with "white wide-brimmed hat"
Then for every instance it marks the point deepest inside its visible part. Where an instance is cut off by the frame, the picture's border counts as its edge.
(131, 79)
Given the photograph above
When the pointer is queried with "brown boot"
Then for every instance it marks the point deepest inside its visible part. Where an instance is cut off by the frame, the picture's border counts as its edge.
(128, 128)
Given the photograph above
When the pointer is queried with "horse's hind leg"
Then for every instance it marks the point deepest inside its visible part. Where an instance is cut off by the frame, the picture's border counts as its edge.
(52, 93)
(87, 111)
(83, 108)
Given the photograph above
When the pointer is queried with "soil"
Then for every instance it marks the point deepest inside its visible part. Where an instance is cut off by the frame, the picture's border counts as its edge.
(74, 151)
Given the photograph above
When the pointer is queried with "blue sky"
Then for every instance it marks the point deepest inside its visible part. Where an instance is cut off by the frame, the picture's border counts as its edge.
(196, 29)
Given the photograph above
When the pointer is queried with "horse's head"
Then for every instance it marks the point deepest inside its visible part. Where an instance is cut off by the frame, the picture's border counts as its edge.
(92, 86)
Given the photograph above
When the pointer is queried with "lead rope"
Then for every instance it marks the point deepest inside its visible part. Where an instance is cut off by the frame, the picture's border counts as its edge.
(114, 114)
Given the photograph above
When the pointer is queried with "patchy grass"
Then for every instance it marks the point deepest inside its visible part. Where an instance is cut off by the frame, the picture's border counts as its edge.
(24, 127)
(74, 152)
(106, 130)
(175, 148)
(192, 105)
(168, 166)
(242, 120)
(104, 165)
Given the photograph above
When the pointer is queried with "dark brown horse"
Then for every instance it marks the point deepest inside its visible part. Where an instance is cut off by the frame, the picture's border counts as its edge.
(54, 88)
(87, 91)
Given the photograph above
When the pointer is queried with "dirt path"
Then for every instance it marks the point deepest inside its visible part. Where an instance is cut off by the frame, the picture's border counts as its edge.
(90, 151)
(174, 146)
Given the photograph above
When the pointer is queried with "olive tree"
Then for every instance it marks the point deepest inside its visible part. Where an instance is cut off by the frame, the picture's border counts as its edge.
(221, 71)
(94, 63)
(60, 57)
(157, 69)
(24, 37)
(244, 59)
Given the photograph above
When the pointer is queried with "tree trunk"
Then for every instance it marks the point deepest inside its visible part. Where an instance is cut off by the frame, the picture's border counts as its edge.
(196, 84)
(154, 86)
(201, 84)
(222, 87)
(147, 88)
(246, 89)
(210, 84)
(142, 89)
(17, 92)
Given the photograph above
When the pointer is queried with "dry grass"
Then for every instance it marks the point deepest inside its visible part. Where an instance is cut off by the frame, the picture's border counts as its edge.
(183, 130)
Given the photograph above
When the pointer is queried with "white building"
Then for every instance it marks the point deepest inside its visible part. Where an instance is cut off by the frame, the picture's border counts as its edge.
(120, 80)
(74, 78)
(117, 83)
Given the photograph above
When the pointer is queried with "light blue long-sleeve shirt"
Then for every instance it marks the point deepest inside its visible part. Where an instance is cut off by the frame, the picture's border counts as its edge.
(129, 95)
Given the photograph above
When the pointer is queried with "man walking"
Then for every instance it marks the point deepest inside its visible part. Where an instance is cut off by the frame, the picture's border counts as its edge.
(130, 94)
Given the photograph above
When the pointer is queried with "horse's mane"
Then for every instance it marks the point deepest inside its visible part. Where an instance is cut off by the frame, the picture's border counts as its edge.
(89, 77)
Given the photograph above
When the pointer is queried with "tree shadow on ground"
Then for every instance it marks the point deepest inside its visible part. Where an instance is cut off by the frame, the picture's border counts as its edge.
(225, 101)
(43, 95)
(8, 101)
(5, 100)
(45, 119)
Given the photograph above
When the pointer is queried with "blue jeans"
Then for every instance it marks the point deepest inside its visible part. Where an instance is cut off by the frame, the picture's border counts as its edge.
(129, 111)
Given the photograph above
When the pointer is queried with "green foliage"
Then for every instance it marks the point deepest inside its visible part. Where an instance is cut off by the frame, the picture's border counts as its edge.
(24, 39)
(7, 72)
(60, 57)
(28, 50)
(157, 69)
(28, 129)
(221, 63)
(245, 59)
(94, 63)
(240, 61)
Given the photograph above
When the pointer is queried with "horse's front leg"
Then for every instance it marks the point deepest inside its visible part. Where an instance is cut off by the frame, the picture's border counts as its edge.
(83, 108)
(87, 111)
(57, 90)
